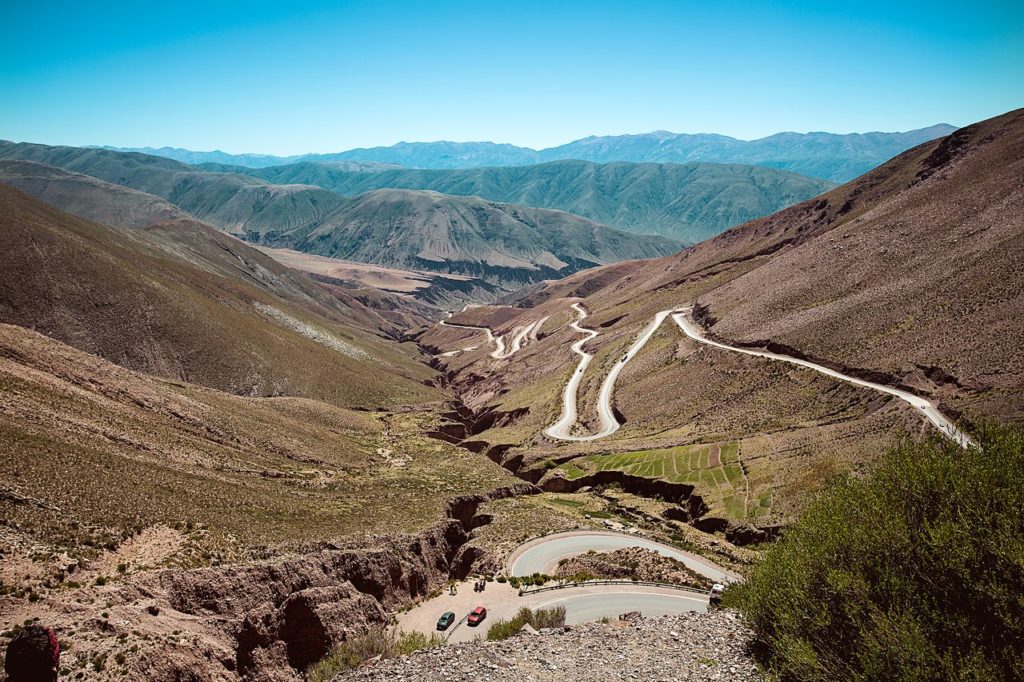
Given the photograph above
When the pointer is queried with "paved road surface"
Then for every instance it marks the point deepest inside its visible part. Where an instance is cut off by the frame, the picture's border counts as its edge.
(581, 604)
(543, 554)
(562, 429)
(615, 601)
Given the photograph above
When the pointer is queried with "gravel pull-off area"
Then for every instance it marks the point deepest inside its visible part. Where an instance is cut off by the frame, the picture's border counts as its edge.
(692, 646)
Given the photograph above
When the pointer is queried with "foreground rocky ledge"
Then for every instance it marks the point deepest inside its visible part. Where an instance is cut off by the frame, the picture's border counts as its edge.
(690, 646)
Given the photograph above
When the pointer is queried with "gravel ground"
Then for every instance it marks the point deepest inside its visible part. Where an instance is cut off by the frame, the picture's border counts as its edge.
(691, 646)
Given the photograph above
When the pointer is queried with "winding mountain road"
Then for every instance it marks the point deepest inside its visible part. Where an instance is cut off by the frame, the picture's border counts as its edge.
(543, 554)
(562, 429)
(519, 337)
(926, 408)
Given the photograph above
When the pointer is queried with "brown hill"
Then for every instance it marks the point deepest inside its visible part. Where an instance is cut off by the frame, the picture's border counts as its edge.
(500, 243)
(910, 274)
(184, 301)
(88, 197)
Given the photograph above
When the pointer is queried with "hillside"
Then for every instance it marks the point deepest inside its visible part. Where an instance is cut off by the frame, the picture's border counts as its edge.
(499, 243)
(88, 197)
(175, 299)
(689, 202)
(151, 520)
(239, 204)
(829, 156)
(908, 276)
(525, 244)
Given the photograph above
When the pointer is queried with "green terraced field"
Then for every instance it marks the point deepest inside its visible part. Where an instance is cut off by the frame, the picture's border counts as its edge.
(720, 482)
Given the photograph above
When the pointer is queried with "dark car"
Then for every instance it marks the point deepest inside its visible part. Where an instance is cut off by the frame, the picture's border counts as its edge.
(477, 617)
(445, 621)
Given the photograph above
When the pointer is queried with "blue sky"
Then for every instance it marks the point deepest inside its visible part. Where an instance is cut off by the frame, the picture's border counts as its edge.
(293, 77)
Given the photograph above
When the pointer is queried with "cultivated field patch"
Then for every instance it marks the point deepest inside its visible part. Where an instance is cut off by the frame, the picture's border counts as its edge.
(713, 469)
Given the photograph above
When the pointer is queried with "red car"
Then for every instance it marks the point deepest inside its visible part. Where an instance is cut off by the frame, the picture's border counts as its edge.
(477, 616)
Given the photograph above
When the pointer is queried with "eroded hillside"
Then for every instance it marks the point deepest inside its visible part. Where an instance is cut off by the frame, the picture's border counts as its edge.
(907, 276)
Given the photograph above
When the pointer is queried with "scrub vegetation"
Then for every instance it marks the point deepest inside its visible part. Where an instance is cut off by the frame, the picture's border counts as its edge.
(915, 572)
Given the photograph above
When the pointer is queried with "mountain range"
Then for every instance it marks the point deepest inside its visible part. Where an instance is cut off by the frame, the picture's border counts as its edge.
(690, 202)
(502, 244)
(830, 156)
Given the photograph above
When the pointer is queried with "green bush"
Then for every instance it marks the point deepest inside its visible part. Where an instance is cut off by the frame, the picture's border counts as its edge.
(915, 573)
(541, 618)
(377, 641)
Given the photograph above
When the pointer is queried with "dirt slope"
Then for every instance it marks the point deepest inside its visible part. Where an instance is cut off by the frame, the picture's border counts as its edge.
(163, 301)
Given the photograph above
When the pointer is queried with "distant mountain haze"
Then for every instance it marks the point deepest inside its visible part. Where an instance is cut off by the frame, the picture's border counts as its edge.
(831, 156)
(503, 244)
(690, 202)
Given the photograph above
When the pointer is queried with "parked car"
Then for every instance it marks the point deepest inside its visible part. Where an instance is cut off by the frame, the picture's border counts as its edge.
(445, 621)
(477, 616)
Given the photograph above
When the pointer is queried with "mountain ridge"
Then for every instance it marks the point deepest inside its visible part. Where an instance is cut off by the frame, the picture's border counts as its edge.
(690, 202)
(875, 148)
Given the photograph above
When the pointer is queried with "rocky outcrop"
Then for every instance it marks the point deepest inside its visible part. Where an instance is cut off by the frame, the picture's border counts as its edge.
(630, 562)
(690, 506)
(287, 613)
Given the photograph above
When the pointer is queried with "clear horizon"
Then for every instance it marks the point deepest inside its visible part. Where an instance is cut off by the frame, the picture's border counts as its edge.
(317, 77)
(673, 132)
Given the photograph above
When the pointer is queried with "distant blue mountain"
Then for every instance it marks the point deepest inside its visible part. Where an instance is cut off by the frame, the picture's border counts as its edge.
(822, 155)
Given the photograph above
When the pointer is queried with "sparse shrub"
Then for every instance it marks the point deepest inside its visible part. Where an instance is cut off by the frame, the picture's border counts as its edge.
(101, 581)
(914, 573)
(502, 579)
(377, 641)
(541, 618)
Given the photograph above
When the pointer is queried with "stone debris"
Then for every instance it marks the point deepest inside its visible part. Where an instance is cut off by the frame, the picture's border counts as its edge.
(690, 646)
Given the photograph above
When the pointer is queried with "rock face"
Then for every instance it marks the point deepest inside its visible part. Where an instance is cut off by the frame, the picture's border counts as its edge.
(287, 614)
(631, 562)
(290, 613)
(691, 646)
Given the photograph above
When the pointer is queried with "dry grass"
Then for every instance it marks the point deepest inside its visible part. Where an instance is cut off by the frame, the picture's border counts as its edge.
(107, 451)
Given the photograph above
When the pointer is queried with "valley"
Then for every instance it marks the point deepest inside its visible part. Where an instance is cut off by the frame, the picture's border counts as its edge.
(493, 342)
(247, 423)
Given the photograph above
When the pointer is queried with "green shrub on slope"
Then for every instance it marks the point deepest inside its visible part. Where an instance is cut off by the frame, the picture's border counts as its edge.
(541, 618)
(915, 573)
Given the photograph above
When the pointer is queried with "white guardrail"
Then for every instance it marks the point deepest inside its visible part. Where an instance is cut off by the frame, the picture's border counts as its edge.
(589, 583)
